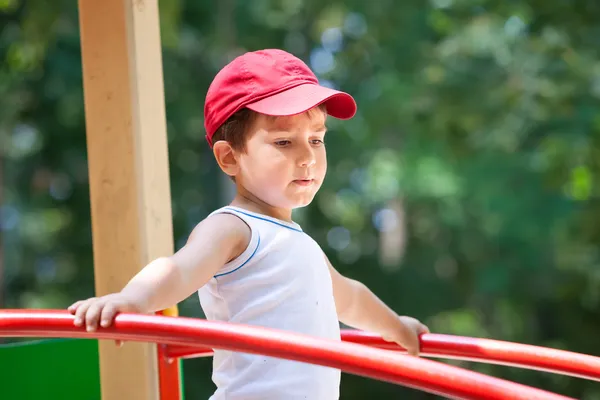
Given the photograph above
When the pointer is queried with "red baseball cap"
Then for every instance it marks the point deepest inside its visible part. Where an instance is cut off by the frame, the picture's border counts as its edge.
(271, 82)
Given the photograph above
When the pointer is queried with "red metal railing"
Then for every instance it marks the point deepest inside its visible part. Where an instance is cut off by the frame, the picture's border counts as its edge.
(463, 348)
(354, 358)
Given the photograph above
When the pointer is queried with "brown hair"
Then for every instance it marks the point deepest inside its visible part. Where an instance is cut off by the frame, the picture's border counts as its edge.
(235, 129)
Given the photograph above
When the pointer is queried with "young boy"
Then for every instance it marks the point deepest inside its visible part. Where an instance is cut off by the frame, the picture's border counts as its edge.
(265, 117)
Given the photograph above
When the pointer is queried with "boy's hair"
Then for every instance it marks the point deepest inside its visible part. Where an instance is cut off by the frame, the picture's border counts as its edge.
(235, 130)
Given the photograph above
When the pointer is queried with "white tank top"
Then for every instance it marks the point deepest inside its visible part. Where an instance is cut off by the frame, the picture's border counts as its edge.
(280, 281)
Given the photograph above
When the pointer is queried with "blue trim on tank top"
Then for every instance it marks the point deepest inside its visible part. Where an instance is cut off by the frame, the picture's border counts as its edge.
(245, 262)
(263, 219)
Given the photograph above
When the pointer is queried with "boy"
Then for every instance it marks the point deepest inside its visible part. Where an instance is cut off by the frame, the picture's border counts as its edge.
(250, 263)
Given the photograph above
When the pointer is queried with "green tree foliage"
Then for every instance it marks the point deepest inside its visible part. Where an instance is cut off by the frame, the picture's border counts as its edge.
(465, 192)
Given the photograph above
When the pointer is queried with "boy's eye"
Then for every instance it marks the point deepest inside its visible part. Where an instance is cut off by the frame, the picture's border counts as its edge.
(317, 141)
(282, 142)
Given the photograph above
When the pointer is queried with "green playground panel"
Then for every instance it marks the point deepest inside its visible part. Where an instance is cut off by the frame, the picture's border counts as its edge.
(50, 369)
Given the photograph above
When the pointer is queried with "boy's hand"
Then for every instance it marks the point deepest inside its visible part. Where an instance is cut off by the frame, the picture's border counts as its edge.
(101, 311)
(406, 334)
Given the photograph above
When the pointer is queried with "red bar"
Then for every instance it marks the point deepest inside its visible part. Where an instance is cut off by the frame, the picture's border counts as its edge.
(465, 348)
(417, 373)
(169, 374)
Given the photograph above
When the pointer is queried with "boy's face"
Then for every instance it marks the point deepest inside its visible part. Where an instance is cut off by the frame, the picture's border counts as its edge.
(285, 161)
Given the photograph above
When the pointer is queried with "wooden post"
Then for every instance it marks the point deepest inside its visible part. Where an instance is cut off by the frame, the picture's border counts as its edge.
(128, 167)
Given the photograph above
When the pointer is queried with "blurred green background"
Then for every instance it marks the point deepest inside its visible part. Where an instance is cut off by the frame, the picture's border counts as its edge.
(465, 192)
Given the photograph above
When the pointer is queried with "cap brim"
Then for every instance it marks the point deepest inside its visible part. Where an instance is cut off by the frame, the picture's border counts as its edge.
(304, 97)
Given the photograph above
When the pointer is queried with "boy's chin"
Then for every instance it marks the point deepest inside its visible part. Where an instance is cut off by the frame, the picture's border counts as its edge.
(299, 203)
(302, 205)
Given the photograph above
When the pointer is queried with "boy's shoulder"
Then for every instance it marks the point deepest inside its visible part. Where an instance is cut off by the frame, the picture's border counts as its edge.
(222, 226)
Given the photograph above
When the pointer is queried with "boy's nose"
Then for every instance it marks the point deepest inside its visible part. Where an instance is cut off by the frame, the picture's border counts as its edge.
(306, 158)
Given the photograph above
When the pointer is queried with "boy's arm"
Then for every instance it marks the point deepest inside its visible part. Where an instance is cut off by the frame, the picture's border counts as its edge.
(168, 280)
(359, 307)
(214, 242)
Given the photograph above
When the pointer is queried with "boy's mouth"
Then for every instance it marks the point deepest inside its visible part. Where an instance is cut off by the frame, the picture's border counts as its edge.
(304, 182)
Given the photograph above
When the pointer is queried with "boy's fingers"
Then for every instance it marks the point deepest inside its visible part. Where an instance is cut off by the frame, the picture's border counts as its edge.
(107, 315)
(73, 307)
(412, 344)
(92, 316)
(81, 312)
(412, 349)
(423, 329)
(417, 346)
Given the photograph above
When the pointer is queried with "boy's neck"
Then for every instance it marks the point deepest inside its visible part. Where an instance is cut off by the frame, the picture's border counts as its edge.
(245, 199)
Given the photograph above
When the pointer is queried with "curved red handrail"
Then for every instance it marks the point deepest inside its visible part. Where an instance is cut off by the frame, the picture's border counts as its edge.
(464, 348)
(418, 373)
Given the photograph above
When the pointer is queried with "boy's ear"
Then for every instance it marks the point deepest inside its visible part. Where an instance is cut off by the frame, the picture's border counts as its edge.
(226, 157)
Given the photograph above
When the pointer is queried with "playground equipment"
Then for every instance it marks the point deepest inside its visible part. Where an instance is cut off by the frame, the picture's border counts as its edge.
(359, 353)
(131, 225)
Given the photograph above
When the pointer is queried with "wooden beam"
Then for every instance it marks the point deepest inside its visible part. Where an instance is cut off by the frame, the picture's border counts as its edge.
(128, 167)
